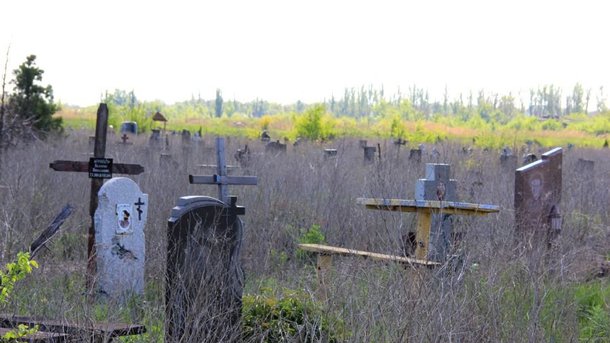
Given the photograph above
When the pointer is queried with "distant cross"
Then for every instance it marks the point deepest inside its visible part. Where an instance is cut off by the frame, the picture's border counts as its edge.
(124, 138)
(97, 179)
(221, 178)
(139, 209)
(435, 200)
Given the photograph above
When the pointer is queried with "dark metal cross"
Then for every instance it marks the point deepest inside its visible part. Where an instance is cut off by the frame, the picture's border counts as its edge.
(99, 150)
(221, 178)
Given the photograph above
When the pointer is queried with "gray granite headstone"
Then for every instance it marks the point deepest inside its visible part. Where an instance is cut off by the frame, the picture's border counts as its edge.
(119, 238)
(204, 278)
(438, 186)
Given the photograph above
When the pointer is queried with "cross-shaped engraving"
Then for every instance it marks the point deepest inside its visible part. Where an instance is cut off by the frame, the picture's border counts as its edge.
(99, 150)
(139, 209)
(221, 178)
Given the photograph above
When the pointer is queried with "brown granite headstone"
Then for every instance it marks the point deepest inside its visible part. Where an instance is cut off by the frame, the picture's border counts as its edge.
(538, 198)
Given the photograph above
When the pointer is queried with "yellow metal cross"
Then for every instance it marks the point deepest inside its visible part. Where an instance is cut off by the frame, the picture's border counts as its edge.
(425, 209)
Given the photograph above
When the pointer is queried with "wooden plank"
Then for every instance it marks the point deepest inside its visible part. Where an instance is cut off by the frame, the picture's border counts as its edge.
(39, 337)
(448, 207)
(331, 250)
(61, 327)
(422, 234)
(224, 180)
(79, 166)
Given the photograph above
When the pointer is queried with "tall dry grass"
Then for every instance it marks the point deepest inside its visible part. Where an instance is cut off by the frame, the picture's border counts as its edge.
(494, 293)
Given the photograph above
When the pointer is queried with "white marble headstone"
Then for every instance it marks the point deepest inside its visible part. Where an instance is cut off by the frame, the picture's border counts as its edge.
(119, 238)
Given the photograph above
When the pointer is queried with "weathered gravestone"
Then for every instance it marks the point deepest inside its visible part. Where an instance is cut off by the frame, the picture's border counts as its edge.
(275, 147)
(369, 153)
(529, 158)
(204, 278)
(508, 161)
(415, 155)
(186, 137)
(328, 153)
(538, 198)
(99, 168)
(155, 137)
(265, 136)
(119, 237)
(242, 156)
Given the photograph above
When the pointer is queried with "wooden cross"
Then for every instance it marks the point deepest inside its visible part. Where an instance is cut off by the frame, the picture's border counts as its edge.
(221, 178)
(124, 138)
(435, 200)
(104, 169)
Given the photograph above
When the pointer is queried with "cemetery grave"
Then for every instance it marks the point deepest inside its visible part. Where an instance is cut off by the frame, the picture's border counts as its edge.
(204, 275)
(296, 190)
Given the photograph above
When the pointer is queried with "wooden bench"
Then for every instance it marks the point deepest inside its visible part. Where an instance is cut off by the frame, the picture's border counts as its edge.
(63, 331)
(325, 254)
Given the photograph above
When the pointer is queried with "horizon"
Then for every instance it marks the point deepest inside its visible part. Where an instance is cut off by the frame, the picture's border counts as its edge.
(285, 52)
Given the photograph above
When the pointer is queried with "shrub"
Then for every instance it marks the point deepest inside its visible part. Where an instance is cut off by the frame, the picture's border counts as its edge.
(16, 271)
(287, 318)
(313, 235)
(315, 124)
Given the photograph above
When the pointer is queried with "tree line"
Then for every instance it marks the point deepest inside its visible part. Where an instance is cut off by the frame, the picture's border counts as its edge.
(369, 102)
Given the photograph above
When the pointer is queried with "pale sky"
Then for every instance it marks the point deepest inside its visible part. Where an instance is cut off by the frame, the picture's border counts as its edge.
(284, 51)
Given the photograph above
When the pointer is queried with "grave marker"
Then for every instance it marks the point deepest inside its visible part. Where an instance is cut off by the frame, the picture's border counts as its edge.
(415, 155)
(204, 276)
(438, 186)
(538, 198)
(434, 207)
(101, 127)
(275, 147)
(265, 136)
(330, 153)
(369, 153)
(119, 239)
(155, 137)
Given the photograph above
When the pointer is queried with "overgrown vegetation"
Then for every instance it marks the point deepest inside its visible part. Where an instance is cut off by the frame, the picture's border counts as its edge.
(487, 121)
(287, 317)
(507, 297)
(9, 276)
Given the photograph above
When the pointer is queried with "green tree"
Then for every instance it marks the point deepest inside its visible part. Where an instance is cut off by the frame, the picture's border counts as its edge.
(314, 124)
(33, 102)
